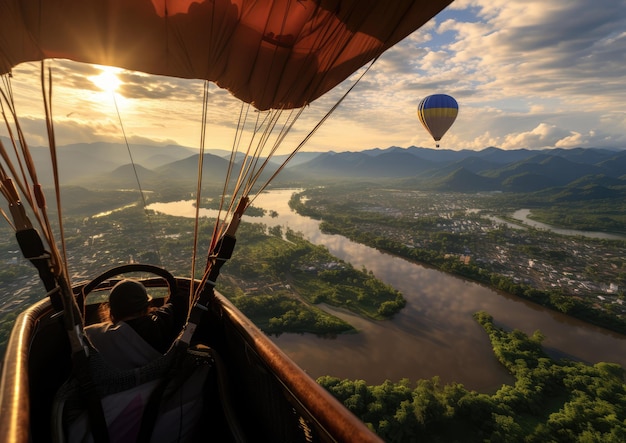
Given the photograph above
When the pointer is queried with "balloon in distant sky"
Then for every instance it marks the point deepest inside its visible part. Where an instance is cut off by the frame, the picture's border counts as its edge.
(437, 113)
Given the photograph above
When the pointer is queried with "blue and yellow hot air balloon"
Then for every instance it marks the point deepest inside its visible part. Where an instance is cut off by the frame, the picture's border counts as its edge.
(437, 112)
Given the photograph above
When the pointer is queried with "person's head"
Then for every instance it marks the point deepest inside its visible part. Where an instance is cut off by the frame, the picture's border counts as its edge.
(128, 299)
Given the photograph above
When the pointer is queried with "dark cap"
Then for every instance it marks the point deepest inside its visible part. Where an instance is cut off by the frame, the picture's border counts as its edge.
(128, 297)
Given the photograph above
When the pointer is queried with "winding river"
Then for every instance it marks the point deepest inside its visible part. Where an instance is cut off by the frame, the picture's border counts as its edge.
(435, 334)
(523, 215)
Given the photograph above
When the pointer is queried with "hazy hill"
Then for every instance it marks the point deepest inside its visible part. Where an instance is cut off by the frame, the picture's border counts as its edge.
(490, 154)
(588, 156)
(601, 180)
(476, 164)
(81, 162)
(528, 181)
(90, 154)
(589, 192)
(463, 180)
(214, 169)
(491, 169)
(616, 165)
(125, 177)
(346, 165)
(299, 158)
(108, 166)
(558, 169)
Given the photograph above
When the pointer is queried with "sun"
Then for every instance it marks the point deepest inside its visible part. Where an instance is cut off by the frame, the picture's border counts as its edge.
(107, 80)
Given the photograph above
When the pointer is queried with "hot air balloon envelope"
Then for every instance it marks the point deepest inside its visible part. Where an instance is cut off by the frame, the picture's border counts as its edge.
(274, 54)
(437, 113)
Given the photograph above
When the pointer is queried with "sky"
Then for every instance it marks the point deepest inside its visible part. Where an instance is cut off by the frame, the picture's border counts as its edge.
(526, 74)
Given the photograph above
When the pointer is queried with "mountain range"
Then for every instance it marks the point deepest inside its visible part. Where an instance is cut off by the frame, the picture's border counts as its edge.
(588, 171)
(491, 169)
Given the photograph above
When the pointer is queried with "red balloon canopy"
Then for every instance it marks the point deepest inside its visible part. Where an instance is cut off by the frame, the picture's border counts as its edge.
(270, 53)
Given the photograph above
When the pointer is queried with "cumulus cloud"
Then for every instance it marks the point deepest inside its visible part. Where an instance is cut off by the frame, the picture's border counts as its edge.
(543, 135)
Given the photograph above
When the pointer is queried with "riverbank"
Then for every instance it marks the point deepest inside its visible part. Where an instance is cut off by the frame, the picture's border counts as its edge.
(376, 230)
(553, 299)
(291, 276)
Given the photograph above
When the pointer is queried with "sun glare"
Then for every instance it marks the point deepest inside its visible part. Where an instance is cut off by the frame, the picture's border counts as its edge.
(107, 80)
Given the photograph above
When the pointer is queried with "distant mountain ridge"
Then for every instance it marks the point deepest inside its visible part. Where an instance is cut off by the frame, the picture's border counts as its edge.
(491, 169)
(81, 161)
(570, 171)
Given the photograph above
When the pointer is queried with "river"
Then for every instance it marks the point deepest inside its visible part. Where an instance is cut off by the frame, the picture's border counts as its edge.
(524, 216)
(435, 334)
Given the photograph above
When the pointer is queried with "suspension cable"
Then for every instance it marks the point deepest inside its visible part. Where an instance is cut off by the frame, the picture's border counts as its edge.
(250, 171)
(196, 228)
(312, 132)
(47, 102)
(36, 200)
(20, 180)
(141, 192)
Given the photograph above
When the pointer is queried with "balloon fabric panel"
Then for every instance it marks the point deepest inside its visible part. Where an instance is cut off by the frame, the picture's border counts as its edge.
(271, 53)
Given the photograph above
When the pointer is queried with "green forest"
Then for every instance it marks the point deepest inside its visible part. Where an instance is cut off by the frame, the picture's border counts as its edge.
(550, 401)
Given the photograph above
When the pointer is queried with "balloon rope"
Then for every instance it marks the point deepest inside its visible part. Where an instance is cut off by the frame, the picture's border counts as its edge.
(249, 170)
(290, 121)
(315, 128)
(141, 192)
(219, 226)
(47, 102)
(273, 119)
(219, 223)
(246, 161)
(8, 99)
(20, 179)
(196, 227)
(7, 185)
(7, 219)
(36, 199)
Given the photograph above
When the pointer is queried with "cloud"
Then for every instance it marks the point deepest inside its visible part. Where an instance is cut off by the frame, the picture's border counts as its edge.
(541, 136)
(526, 74)
(560, 48)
